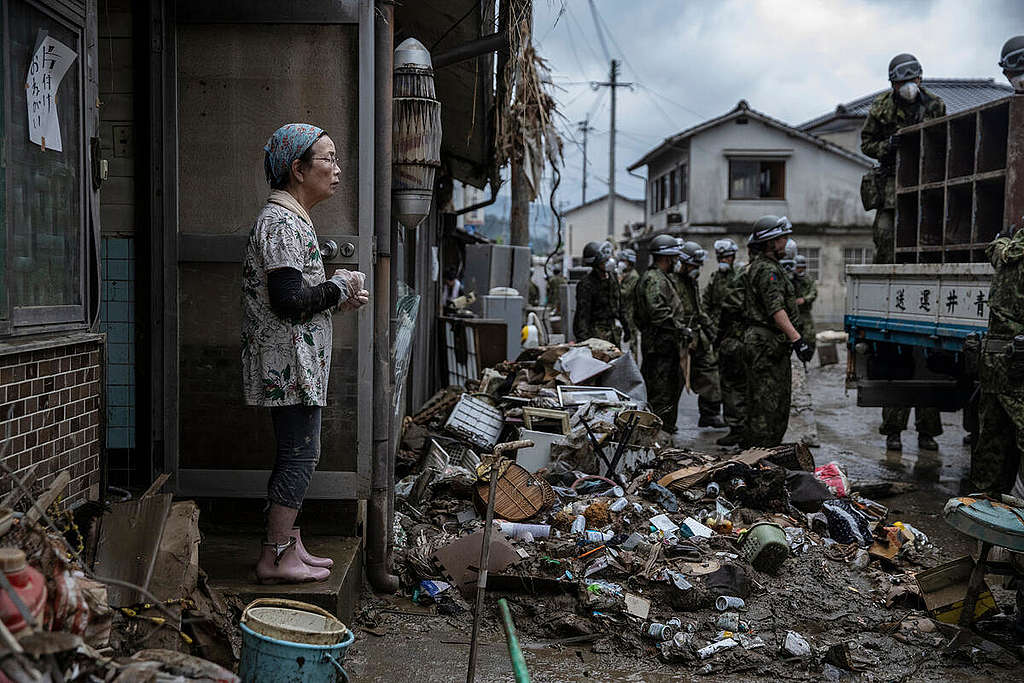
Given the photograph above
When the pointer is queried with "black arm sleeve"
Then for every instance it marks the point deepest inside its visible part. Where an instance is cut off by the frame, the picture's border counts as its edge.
(293, 300)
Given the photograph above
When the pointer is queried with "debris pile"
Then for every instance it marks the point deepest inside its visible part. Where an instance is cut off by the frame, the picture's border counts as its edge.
(109, 593)
(607, 534)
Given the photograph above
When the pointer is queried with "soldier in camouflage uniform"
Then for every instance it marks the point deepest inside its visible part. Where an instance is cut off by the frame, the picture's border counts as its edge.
(627, 287)
(806, 293)
(905, 104)
(770, 335)
(724, 303)
(598, 302)
(995, 456)
(658, 314)
(554, 289)
(703, 360)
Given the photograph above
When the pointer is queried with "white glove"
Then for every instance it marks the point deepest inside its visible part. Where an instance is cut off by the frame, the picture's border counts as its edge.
(350, 282)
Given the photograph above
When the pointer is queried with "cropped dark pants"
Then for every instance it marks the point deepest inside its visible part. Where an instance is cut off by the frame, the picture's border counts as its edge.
(297, 431)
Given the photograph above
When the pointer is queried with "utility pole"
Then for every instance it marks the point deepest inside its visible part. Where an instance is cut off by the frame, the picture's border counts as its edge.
(584, 127)
(613, 83)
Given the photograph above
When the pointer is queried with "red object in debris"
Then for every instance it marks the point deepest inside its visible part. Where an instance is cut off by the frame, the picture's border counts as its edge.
(27, 582)
(834, 477)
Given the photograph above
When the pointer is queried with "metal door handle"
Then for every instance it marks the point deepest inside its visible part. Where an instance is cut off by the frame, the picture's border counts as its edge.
(329, 249)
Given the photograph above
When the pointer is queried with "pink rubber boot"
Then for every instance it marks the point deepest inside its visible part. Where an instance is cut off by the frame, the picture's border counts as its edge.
(280, 563)
(305, 556)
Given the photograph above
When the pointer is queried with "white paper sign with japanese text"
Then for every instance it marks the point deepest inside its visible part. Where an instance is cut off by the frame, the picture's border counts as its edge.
(50, 62)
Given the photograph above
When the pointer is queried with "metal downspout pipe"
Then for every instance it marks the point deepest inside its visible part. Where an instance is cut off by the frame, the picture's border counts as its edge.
(379, 31)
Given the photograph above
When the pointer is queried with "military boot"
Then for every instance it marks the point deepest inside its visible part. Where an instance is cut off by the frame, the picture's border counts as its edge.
(893, 442)
(730, 439)
(926, 443)
(713, 421)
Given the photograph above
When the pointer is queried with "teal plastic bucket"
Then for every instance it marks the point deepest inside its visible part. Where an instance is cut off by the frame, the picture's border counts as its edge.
(285, 641)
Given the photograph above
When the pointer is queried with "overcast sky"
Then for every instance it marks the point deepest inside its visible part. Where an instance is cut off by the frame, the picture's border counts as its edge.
(791, 59)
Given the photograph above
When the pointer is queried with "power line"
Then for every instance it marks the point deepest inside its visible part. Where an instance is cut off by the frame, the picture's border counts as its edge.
(572, 17)
(600, 34)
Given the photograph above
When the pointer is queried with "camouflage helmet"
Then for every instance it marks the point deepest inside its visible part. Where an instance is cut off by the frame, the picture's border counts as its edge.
(692, 253)
(1011, 59)
(725, 247)
(904, 67)
(788, 263)
(791, 249)
(665, 245)
(628, 255)
(596, 253)
(767, 228)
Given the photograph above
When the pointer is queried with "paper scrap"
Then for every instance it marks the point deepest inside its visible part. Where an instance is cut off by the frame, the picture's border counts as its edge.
(50, 62)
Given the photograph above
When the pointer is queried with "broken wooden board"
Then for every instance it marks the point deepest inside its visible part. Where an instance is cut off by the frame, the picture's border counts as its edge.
(44, 501)
(176, 571)
(129, 537)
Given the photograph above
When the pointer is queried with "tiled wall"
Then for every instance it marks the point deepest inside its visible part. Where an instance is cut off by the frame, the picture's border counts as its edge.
(51, 409)
(117, 319)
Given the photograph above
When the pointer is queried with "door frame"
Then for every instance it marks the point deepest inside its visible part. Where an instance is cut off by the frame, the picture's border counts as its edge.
(167, 247)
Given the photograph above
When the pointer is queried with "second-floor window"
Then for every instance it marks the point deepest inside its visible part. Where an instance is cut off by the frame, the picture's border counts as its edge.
(757, 179)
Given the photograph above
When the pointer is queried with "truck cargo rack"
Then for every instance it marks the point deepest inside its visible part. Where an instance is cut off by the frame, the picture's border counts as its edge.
(952, 176)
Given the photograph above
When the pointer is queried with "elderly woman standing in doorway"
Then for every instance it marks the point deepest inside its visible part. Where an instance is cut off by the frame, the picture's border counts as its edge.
(287, 303)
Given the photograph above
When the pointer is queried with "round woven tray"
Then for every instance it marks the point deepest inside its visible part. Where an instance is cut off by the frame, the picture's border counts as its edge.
(519, 495)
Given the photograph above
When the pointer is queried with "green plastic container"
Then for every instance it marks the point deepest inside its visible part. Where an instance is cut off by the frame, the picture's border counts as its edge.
(765, 546)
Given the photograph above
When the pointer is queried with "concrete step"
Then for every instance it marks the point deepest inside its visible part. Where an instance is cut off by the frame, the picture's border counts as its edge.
(230, 561)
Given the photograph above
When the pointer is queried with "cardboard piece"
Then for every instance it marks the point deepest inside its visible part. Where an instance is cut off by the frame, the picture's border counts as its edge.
(944, 588)
(459, 560)
(637, 606)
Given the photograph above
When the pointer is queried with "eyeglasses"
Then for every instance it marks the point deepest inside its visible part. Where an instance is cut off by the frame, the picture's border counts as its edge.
(331, 160)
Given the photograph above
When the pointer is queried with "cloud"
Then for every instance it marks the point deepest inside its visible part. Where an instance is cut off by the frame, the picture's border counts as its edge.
(792, 59)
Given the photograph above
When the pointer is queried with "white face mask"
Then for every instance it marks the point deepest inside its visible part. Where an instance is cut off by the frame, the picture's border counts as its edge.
(695, 273)
(677, 267)
(1017, 81)
(723, 266)
(908, 91)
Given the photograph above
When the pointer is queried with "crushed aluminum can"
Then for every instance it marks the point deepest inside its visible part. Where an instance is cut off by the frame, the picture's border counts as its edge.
(795, 645)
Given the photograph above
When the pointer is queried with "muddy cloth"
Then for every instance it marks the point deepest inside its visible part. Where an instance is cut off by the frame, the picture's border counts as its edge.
(703, 361)
(297, 431)
(846, 524)
(994, 460)
(769, 377)
(598, 305)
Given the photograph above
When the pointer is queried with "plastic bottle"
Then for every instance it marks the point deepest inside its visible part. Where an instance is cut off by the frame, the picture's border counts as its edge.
(598, 536)
(618, 505)
(579, 525)
(27, 582)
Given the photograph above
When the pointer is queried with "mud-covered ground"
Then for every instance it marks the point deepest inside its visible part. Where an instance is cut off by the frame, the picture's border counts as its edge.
(821, 597)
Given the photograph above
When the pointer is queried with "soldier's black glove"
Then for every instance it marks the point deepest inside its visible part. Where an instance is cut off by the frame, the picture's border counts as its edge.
(626, 334)
(803, 350)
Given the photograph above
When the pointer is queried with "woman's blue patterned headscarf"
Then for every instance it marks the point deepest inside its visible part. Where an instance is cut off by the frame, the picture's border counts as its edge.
(288, 143)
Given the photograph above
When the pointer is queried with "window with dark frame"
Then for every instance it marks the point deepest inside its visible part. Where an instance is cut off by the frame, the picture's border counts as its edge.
(813, 256)
(683, 189)
(673, 187)
(47, 195)
(662, 192)
(757, 179)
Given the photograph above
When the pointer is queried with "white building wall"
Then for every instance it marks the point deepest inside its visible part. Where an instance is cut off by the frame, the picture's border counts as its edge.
(821, 187)
(589, 223)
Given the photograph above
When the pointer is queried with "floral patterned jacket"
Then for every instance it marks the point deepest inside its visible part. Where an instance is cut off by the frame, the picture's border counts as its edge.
(284, 362)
